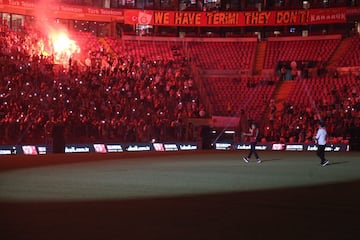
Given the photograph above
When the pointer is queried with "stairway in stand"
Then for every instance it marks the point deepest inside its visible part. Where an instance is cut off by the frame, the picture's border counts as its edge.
(260, 57)
(282, 93)
(338, 53)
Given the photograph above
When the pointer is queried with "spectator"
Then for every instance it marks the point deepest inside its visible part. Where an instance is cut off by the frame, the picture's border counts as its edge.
(115, 99)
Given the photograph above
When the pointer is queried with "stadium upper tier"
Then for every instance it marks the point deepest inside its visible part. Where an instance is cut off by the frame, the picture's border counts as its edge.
(140, 88)
(316, 49)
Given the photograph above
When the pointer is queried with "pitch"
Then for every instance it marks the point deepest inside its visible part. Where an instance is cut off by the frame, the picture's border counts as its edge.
(192, 195)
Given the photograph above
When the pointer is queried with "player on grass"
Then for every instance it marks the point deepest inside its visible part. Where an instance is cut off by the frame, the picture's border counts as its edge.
(253, 134)
(320, 140)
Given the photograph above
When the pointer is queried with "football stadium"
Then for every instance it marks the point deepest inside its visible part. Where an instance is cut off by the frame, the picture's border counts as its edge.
(194, 119)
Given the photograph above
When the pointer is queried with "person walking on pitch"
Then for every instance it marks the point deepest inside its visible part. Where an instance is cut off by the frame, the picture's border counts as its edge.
(253, 134)
(320, 140)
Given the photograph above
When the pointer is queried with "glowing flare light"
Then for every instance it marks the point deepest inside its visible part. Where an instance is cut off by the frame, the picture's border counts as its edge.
(63, 47)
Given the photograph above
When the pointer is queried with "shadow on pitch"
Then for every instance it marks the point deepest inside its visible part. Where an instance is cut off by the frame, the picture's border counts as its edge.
(271, 160)
(279, 159)
(336, 163)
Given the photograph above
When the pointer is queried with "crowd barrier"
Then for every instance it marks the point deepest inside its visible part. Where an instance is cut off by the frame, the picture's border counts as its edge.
(159, 147)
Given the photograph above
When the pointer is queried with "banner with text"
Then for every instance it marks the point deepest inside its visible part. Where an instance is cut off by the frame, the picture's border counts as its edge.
(235, 19)
(61, 10)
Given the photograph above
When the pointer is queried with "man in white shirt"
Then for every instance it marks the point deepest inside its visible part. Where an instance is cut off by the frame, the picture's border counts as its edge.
(320, 140)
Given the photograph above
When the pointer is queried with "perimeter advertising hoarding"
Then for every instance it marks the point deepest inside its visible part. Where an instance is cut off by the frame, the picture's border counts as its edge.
(162, 147)
(107, 148)
(140, 147)
(79, 148)
(8, 150)
(23, 149)
(291, 147)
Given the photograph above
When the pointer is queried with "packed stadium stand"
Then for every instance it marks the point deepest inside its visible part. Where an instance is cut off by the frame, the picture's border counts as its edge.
(130, 71)
(140, 87)
(111, 99)
(334, 100)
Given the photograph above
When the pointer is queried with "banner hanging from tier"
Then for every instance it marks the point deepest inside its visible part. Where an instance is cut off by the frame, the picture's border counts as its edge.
(63, 11)
(235, 19)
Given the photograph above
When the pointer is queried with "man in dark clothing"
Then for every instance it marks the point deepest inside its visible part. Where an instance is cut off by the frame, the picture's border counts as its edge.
(253, 134)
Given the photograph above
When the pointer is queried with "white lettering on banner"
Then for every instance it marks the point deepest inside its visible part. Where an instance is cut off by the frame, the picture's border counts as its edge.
(42, 150)
(248, 146)
(261, 147)
(110, 12)
(336, 16)
(71, 9)
(114, 148)
(336, 149)
(138, 148)
(223, 146)
(54, 7)
(188, 147)
(93, 11)
(294, 147)
(27, 4)
(77, 149)
(327, 148)
(312, 148)
(170, 147)
(243, 147)
(332, 148)
(5, 152)
(14, 3)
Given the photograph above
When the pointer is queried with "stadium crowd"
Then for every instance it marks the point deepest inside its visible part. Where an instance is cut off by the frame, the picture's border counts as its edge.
(338, 106)
(122, 100)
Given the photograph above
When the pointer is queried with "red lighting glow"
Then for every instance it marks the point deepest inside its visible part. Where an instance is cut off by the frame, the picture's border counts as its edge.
(63, 47)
